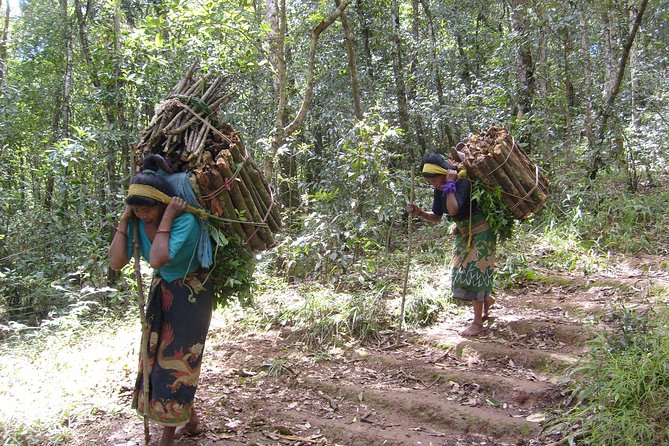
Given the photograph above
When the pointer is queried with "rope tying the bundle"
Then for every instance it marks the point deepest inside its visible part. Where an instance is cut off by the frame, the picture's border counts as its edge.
(536, 185)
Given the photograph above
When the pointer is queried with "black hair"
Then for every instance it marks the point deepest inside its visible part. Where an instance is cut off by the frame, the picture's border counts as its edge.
(148, 177)
(156, 162)
(437, 159)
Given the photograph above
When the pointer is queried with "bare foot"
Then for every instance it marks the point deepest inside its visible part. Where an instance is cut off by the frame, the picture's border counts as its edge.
(472, 330)
(167, 439)
(190, 429)
(486, 307)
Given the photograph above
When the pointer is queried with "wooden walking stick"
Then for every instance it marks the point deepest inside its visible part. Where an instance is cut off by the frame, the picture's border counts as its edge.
(144, 349)
(409, 249)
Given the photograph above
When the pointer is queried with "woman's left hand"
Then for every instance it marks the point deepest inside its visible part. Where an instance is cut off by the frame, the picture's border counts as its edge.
(452, 175)
(176, 207)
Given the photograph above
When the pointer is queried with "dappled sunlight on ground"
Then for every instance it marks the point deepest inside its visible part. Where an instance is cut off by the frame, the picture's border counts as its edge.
(67, 377)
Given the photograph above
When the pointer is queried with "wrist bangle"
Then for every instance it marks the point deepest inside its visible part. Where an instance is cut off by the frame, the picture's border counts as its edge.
(121, 231)
(163, 231)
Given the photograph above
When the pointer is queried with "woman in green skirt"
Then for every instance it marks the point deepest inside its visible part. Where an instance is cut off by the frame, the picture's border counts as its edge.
(472, 267)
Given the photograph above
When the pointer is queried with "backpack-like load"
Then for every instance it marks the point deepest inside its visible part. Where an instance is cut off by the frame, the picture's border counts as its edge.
(496, 159)
(186, 131)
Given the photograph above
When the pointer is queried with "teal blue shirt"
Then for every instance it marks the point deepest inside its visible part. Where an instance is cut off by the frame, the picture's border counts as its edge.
(184, 236)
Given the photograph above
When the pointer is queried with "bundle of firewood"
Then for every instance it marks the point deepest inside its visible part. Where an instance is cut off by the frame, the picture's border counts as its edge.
(496, 159)
(228, 184)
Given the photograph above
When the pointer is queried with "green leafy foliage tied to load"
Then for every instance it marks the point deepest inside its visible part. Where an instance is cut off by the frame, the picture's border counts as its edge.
(232, 273)
(497, 214)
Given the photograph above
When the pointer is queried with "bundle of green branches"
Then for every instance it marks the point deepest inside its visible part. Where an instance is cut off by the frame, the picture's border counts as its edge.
(227, 182)
(232, 271)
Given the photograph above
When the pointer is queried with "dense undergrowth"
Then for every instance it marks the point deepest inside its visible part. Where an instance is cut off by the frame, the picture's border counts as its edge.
(619, 392)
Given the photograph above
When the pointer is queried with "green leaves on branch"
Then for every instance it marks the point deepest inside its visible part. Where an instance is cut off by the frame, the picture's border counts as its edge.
(499, 216)
(232, 273)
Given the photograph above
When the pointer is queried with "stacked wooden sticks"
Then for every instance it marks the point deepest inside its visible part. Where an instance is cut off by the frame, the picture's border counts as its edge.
(185, 130)
(494, 158)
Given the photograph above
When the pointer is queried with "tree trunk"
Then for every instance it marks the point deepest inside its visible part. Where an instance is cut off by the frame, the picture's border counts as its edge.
(637, 105)
(597, 158)
(415, 112)
(443, 127)
(121, 120)
(4, 35)
(542, 81)
(311, 61)
(588, 89)
(276, 19)
(465, 66)
(82, 22)
(68, 75)
(314, 167)
(366, 35)
(61, 121)
(352, 66)
(398, 64)
(569, 91)
(113, 180)
(524, 64)
(609, 45)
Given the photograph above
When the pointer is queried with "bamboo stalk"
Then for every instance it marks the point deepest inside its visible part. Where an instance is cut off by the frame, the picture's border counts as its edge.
(213, 88)
(525, 171)
(178, 118)
(494, 158)
(265, 214)
(510, 195)
(190, 137)
(197, 84)
(182, 127)
(493, 176)
(240, 205)
(255, 179)
(502, 156)
(505, 150)
(204, 133)
(219, 194)
(186, 79)
(223, 100)
(264, 233)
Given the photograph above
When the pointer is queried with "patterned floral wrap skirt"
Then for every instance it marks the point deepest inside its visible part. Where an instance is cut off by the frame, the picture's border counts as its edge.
(473, 264)
(178, 315)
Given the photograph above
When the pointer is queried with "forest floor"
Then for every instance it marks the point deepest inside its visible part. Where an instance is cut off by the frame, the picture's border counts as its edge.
(425, 387)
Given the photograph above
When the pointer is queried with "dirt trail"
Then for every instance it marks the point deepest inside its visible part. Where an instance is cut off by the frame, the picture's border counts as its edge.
(431, 387)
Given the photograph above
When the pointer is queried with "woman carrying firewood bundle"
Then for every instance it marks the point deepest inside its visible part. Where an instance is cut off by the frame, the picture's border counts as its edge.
(472, 267)
(179, 306)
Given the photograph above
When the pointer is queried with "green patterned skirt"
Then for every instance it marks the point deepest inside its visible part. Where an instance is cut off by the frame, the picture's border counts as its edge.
(473, 264)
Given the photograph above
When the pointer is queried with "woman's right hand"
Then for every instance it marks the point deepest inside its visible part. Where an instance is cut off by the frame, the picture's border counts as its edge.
(118, 256)
(414, 209)
(127, 214)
